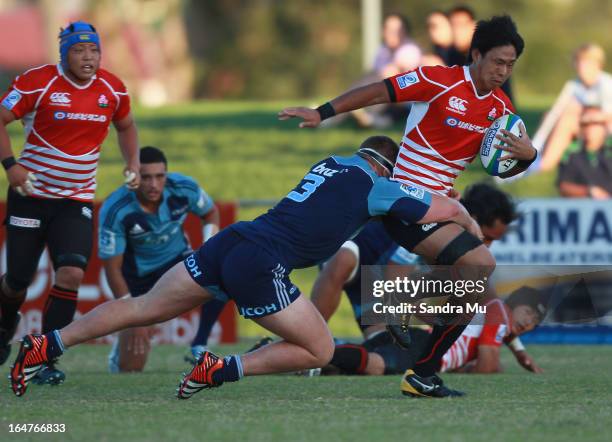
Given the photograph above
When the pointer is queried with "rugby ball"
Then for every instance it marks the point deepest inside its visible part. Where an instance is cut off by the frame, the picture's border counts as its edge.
(489, 154)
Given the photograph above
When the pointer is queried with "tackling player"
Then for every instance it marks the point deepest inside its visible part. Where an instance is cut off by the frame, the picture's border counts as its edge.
(249, 262)
(451, 109)
(66, 110)
(141, 237)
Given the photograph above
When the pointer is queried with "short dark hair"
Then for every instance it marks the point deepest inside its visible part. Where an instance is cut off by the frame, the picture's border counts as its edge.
(383, 145)
(462, 9)
(403, 19)
(530, 297)
(498, 31)
(150, 154)
(487, 203)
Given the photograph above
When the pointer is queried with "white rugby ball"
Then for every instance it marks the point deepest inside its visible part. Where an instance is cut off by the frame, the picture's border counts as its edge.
(489, 154)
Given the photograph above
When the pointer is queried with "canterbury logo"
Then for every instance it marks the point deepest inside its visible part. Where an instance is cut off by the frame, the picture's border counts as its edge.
(60, 97)
(457, 104)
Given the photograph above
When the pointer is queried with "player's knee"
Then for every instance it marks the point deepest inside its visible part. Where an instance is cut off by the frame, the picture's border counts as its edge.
(13, 287)
(481, 258)
(69, 277)
(324, 352)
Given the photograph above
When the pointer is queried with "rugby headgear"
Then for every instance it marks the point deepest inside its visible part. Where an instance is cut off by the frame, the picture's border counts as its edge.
(531, 297)
(77, 32)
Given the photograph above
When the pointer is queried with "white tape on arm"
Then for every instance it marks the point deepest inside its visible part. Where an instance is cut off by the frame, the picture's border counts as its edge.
(516, 344)
(209, 230)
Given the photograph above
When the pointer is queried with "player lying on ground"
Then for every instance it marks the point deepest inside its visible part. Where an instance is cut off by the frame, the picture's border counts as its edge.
(141, 237)
(249, 262)
(452, 107)
(476, 350)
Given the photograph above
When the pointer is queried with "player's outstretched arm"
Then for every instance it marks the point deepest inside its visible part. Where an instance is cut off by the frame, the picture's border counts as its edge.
(374, 93)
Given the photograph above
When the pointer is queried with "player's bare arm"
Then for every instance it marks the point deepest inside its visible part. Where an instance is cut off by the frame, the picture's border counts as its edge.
(18, 177)
(327, 289)
(210, 223)
(488, 360)
(116, 281)
(371, 94)
(445, 209)
(127, 136)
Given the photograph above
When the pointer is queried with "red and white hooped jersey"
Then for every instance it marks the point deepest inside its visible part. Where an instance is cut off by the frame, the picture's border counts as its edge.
(445, 125)
(484, 329)
(65, 125)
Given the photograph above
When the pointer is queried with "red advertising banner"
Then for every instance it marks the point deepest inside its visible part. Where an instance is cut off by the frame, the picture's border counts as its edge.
(95, 290)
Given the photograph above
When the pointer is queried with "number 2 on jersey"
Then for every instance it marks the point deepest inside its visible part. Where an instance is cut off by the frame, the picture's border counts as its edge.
(312, 181)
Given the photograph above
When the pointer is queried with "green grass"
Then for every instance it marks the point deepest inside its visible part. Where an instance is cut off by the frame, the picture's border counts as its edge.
(571, 401)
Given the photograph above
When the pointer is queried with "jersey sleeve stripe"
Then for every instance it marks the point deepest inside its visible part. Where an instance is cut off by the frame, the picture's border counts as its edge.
(390, 90)
(402, 177)
(443, 86)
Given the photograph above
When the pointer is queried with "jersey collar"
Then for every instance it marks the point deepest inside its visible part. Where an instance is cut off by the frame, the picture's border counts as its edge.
(60, 69)
(468, 78)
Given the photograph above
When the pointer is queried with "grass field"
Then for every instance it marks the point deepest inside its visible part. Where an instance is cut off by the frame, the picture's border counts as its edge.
(570, 402)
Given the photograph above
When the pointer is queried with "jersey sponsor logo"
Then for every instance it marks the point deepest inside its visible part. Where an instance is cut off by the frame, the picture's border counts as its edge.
(192, 266)
(107, 242)
(79, 116)
(60, 99)
(28, 223)
(458, 105)
(454, 122)
(11, 100)
(102, 101)
(407, 80)
(325, 171)
(86, 212)
(136, 229)
(413, 191)
(428, 227)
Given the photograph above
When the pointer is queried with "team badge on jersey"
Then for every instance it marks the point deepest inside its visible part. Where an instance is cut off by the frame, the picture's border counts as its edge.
(407, 80)
(103, 101)
(492, 114)
(11, 100)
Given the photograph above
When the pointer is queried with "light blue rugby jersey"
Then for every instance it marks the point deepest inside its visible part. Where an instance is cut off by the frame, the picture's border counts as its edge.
(149, 241)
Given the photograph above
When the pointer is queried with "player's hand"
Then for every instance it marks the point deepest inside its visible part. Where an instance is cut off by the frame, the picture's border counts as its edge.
(598, 193)
(454, 195)
(519, 148)
(138, 342)
(310, 116)
(21, 180)
(527, 362)
(132, 178)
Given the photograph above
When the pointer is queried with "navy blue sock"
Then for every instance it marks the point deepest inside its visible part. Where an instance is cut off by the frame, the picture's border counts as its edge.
(210, 312)
(231, 371)
(55, 346)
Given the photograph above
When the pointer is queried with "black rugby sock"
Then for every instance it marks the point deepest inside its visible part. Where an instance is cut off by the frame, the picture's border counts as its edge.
(59, 309)
(350, 358)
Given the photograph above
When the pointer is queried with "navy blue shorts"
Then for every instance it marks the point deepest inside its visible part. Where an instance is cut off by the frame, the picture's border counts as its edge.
(139, 285)
(231, 266)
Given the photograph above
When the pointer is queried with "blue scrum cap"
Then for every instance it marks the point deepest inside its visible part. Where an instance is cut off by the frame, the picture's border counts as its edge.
(77, 32)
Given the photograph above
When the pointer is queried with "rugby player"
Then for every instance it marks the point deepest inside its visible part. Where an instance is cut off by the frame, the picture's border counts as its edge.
(451, 109)
(476, 351)
(249, 262)
(66, 110)
(141, 237)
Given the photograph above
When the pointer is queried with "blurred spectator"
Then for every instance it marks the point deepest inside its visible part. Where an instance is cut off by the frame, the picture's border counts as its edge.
(592, 88)
(441, 37)
(463, 23)
(397, 53)
(588, 172)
